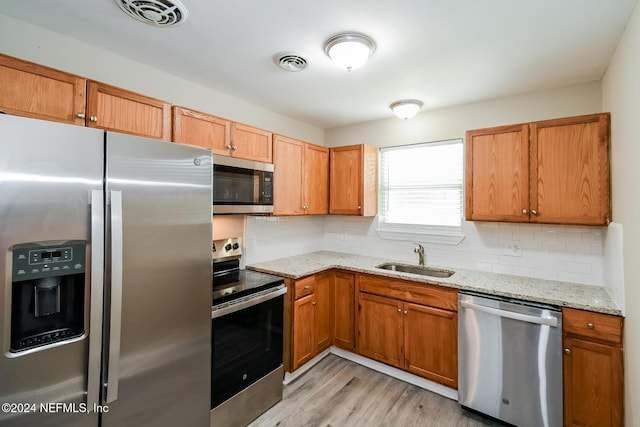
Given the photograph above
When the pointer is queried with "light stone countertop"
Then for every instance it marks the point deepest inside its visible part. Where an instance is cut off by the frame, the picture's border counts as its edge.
(593, 298)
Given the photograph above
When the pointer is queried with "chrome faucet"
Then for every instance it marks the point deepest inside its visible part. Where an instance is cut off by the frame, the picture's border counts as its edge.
(420, 251)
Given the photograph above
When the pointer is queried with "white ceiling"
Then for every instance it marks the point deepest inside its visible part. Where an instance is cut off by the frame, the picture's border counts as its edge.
(444, 52)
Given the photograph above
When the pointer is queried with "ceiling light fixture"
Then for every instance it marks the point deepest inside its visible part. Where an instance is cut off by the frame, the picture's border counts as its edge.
(406, 108)
(349, 50)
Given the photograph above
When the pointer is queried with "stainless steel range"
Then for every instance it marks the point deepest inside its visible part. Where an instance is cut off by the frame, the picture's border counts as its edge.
(247, 335)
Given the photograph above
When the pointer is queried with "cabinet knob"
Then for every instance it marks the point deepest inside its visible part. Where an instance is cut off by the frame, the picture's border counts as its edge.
(228, 146)
(306, 287)
(93, 118)
(359, 207)
(314, 303)
(525, 212)
(234, 148)
(399, 310)
(405, 312)
(590, 325)
(567, 350)
(534, 212)
(81, 115)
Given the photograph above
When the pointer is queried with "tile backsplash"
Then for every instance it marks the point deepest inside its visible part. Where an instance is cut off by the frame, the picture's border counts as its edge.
(566, 253)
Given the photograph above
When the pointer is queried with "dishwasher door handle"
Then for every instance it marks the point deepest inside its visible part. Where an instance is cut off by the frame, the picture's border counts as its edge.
(550, 321)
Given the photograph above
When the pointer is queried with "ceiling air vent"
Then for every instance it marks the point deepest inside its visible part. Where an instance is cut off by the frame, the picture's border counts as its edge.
(159, 13)
(291, 61)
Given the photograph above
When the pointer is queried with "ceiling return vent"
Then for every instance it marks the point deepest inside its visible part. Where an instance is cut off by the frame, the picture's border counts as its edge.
(159, 13)
(291, 61)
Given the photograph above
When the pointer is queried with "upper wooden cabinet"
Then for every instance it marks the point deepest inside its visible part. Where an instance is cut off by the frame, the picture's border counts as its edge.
(353, 188)
(32, 90)
(250, 143)
(301, 177)
(201, 129)
(119, 110)
(553, 171)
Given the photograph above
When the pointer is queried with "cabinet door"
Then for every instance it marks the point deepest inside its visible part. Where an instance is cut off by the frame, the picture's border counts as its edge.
(251, 143)
(119, 110)
(346, 180)
(353, 180)
(431, 343)
(323, 303)
(303, 329)
(380, 329)
(31, 90)
(570, 170)
(497, 174)
(593, 394)
(288, 165)
(344, 311)
(201, 129)
(316, 179)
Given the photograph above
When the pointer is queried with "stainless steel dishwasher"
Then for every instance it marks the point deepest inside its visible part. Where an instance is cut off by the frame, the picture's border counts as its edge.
(510, 359)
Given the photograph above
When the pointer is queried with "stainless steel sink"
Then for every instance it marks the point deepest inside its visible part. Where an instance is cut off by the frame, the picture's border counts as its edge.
(416, 269)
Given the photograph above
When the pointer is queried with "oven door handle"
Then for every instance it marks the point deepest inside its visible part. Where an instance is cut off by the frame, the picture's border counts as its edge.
(248, 303)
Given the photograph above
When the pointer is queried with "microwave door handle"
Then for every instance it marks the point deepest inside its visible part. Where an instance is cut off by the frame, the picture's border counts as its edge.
(116, 297)
(96, 289)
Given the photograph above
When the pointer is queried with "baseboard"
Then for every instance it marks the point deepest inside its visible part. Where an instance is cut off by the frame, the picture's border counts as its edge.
(396, 373)
(376, 366)
(292, 376)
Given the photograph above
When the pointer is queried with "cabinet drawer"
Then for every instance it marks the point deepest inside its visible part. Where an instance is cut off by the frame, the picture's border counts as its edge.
(596, 326)
(419, 293)
(304, 287)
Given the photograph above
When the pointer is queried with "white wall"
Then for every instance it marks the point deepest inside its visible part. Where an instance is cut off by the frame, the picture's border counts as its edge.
(451, 123)
(621, 96)
(35, 44)
(566, 253)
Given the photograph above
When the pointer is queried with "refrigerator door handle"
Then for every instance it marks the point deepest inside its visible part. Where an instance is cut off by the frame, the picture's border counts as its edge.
(97, 289)
(116, 296)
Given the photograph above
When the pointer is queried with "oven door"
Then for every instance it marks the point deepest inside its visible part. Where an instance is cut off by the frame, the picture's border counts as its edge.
(247, 343)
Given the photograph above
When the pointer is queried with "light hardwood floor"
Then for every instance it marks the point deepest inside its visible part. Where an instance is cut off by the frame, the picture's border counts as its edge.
(340, 393)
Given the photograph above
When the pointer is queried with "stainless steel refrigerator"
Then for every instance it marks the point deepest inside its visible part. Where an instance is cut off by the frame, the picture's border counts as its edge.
(105, 278)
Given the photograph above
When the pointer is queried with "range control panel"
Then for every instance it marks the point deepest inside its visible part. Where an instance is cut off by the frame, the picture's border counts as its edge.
(225, 249)
(38, 260)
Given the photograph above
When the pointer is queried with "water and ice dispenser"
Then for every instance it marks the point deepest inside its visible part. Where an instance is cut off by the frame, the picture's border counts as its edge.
(48, 294)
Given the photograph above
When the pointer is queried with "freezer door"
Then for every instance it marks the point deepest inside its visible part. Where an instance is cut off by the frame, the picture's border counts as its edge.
(159, 283)
(48, 175)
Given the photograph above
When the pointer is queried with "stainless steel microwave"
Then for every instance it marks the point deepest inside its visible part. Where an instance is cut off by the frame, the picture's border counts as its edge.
(242, 186)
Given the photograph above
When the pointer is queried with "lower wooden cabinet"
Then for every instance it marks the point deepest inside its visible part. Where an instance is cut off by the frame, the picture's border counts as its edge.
(380, 329)
(418, 338)
(311, 323)
(592, 369)
(431, 343)
(344, 318)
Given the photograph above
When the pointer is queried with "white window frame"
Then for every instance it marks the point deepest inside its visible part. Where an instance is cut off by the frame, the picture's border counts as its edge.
(450, 235)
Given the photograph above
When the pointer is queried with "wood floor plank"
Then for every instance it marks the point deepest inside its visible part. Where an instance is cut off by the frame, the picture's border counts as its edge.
(340, 393)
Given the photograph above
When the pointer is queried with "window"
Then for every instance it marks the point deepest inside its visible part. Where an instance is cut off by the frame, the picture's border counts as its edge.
(421, 190)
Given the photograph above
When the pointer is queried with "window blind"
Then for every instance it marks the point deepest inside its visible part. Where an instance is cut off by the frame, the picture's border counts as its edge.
(421, 187)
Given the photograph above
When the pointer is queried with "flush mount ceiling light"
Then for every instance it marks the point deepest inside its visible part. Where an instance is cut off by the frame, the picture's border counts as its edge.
(406, 108)
(158, 13)
(349, 50)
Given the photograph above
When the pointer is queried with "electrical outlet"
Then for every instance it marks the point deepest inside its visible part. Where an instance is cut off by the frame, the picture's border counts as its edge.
(512, 247)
